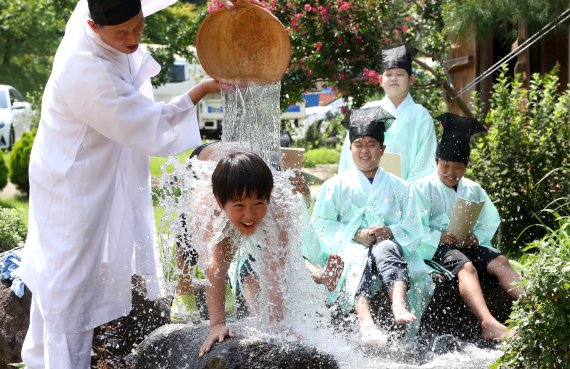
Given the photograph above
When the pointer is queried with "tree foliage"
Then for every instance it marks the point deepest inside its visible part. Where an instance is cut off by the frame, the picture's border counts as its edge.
(30, 31)
(171, 32)
(522, 161)
(480, 18)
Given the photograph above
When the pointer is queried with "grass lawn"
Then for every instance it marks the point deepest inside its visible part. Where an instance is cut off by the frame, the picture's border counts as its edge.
(156, 163)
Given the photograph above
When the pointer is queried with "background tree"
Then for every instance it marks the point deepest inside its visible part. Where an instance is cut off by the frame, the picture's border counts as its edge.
(30, 31)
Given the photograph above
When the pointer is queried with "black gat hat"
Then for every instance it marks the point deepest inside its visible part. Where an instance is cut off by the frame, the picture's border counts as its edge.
(457, 132)
(113, 12)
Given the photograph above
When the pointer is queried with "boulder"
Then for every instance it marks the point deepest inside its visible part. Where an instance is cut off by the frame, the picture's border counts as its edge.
(177, 346)
(114, 342)
(447, 314)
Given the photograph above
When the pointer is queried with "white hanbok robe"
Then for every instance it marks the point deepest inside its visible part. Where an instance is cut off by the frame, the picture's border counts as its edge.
(347, 202)
(91, 223)
(435, 203)
(412, 135)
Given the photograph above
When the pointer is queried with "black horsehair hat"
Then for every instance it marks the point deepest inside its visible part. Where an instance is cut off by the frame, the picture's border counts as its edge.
(398, 56)
(371, 122)
(113, 12)
(457, 132)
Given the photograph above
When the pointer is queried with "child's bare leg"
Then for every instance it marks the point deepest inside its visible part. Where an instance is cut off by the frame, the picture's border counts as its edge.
(398, 297)
(369, 332)
(250, 292)
(470, 291)
(507, 276)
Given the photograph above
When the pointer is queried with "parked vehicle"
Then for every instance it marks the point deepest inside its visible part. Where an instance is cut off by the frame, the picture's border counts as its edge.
(15, 116)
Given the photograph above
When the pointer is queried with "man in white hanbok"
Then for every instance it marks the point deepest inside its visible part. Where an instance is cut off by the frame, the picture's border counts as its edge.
(91, 219)
(412, 134)
(358, 215)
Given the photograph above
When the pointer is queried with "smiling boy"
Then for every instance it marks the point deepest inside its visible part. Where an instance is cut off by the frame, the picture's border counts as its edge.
(412, 134)
(358, 215)
(435, 196)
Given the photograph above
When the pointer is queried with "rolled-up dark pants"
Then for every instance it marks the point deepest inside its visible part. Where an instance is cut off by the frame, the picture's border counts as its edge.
(387, 261)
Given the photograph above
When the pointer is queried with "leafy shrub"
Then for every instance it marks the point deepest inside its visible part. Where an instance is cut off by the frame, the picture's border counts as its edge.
(12, 228)
(541, 317)
(3, 172)
(523, 161)
(20, 161)
(329, 132)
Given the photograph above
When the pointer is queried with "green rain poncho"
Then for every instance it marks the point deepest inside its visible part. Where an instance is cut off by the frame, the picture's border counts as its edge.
(435, 202)
(349, 201)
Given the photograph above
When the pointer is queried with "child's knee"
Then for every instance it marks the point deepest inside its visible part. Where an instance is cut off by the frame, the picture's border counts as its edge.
(468, 268)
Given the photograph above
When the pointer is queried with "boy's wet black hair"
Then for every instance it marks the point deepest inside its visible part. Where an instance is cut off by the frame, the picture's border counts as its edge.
(240, 175)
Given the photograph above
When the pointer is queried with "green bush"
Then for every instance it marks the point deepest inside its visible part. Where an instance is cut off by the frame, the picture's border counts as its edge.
(541, 317)
(523, 161)
(12, 228)
(20, 161)
(3, 172)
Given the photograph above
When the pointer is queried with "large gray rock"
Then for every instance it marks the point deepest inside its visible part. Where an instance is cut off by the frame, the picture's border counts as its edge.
(177, 346)
(14, 321)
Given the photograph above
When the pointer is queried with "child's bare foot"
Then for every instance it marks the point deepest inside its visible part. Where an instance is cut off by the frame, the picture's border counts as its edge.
(493, 330)
(371, 335)
(402, 315)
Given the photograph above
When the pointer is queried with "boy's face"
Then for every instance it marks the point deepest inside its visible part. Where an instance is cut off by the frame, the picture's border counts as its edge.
(366, 153)
(450, 172)
(396, 82)
(245, 214)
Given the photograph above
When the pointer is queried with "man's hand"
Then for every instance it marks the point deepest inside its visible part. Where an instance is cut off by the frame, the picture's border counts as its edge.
(229, 4)
(218, 333)
(448, 238)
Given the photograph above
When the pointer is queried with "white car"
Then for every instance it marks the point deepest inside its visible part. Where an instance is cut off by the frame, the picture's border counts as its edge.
(15, 116)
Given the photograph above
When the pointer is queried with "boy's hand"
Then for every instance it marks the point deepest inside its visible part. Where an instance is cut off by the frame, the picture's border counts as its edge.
(448, 238)
(218, 333)
(471, 240)
(382, 233)
(365, 236)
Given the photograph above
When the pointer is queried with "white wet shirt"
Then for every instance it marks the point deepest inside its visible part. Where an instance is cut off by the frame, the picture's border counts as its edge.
(91, 222)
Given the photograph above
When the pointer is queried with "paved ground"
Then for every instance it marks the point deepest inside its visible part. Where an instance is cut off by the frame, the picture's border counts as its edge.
(322, 172)
(9, 191)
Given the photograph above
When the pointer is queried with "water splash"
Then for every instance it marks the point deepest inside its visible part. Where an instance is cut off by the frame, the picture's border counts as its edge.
(252, 123)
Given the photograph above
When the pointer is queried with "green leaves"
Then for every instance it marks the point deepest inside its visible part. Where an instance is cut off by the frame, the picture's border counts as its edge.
(541, 317)
(522, 161)
(13, 228)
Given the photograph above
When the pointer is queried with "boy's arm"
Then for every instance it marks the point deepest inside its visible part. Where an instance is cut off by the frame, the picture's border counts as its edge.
(216, 295)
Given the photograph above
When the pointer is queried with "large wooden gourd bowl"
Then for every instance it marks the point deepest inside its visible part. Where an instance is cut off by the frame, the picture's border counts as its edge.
(248, 46)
